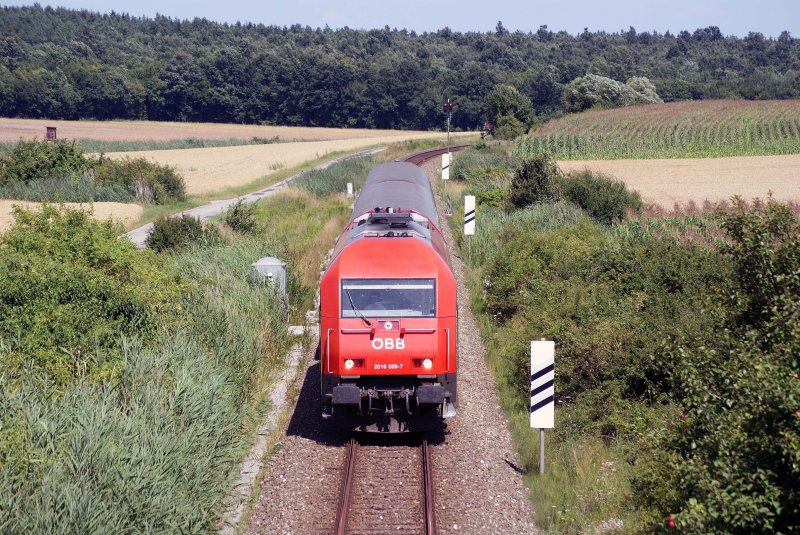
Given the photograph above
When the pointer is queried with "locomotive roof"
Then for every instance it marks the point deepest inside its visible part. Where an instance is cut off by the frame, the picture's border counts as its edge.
(398, 185)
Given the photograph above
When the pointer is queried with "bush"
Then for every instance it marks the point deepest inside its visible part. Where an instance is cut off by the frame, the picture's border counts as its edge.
(534, 181)
(32, 168)
(598, 91)
(508, 127)
(602, 197)
(69, 288)
(152, 182)
(34, 160)
(178, 232)
(733, 457)
(241, 217)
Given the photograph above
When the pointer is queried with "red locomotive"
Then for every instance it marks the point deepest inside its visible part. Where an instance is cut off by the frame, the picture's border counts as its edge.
(388, 312)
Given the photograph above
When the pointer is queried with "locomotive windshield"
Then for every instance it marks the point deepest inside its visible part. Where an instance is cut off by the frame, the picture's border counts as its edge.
(388, 298)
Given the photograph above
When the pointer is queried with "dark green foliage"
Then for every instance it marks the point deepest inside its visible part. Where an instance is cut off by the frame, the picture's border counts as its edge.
(508, 127)
(733, 456)
(28, 161)
(602, 197)
(60, 63)
(163, 428)
(508, 111)
(535, 181)
(175, 233)
(69, 288)
(241, 217)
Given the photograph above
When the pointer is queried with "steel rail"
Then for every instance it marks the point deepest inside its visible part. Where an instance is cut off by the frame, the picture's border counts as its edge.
(419, 158)
(427, 489)
(347, 486)
(345, 496)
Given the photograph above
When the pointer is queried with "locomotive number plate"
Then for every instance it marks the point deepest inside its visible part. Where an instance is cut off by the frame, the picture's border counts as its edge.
(387, 366)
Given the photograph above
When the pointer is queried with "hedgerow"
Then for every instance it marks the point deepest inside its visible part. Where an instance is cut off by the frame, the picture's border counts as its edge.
(676, 361)
(61, 171)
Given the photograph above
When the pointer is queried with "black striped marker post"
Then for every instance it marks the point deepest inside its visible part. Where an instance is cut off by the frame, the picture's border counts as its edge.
(446, 166)
(469, 215)
(542, 390)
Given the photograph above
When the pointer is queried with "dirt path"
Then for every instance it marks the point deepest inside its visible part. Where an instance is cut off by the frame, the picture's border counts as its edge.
(666, 182)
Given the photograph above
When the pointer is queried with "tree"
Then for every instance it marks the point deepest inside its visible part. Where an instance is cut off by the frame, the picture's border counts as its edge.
(507, 102)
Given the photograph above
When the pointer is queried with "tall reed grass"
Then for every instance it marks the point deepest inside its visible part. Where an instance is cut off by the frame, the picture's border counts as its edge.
(334, 179)
(65, 188)
(153, 448)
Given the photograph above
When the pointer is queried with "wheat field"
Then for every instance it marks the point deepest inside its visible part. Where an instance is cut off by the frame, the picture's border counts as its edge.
(123, 213)
(209, 170)
(669, 181)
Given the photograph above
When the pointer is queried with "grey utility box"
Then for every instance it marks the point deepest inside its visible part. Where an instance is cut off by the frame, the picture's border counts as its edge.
(271, 270)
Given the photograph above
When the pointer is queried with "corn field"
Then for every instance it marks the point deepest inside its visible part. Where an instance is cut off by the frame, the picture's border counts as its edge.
(690, 129)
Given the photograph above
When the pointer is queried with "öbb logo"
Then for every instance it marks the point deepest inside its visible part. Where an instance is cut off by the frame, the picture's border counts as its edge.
(388, 343)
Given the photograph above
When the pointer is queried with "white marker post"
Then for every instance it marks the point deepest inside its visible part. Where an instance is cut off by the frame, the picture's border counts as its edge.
(469, 215)
(446, 166)
(543, 354)
(349, 189)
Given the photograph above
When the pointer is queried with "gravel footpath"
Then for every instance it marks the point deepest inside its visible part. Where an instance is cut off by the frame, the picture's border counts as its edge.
(478, 487)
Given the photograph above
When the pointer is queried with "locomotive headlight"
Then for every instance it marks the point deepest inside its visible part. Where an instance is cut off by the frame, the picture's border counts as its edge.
(427, 364)
(348, 364)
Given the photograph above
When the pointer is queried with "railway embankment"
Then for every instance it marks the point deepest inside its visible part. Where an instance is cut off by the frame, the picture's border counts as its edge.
(674, 372)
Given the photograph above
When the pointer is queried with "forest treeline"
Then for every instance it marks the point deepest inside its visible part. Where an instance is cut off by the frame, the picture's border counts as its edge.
(67, 64)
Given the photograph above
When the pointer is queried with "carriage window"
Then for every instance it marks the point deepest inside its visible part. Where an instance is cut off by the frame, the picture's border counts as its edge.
(389, 298)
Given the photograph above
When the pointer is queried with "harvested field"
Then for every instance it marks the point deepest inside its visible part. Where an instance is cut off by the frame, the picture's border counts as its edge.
(214, 169)
(666, 182)
(14, 129)
(124, 213)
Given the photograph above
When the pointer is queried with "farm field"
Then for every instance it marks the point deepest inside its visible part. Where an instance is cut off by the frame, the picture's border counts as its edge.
(122, 212)
(688, 129)
(209, 170)
(13, 129)
(669, 181)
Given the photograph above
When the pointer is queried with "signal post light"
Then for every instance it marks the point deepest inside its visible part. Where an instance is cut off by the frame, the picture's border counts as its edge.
(448, 108)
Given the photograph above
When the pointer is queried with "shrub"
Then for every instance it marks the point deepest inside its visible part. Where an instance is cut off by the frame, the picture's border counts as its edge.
(508, 127)
(602, 197)
(598, 91)
(733, 461)
(34, 160)
(534, 181)
(178, 232)
(152, 182)
(241, 217)
(69, 288)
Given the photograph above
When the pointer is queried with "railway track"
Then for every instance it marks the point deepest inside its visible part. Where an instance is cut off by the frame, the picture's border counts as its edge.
(386, 489)
(419, 158)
